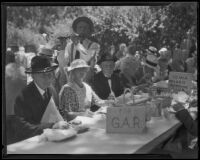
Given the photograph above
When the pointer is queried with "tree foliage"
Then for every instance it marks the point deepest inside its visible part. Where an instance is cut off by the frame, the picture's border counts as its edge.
(143, 25)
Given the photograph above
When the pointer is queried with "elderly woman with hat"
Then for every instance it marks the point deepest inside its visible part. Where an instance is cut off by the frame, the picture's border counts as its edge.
(163, 62)
(82, 46)
(77, 97)
(34, 106)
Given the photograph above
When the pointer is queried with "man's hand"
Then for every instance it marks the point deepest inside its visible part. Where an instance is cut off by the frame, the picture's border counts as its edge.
(61, 125)
(178, 106)
(75, 39)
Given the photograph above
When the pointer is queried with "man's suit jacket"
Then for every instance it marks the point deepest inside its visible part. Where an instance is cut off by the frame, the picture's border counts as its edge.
(29, 108)
(188, 122)
(101, 87)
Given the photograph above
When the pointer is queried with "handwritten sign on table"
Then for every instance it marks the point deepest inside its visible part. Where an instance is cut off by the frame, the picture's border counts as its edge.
(128, 119)
(180, 81)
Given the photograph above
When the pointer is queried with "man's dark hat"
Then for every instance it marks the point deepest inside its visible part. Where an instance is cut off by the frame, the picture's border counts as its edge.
(41, 64)
(106, 57)
(85, 19)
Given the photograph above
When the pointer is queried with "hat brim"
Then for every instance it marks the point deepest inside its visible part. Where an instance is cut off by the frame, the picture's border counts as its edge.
(46, 55)
(47, 69)
(72, 68)
(85, 19)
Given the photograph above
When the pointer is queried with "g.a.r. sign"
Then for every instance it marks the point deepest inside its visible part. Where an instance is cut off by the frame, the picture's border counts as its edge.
(129, 119)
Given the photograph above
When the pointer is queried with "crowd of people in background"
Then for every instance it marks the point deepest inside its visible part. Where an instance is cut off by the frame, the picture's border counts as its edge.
(86, 75)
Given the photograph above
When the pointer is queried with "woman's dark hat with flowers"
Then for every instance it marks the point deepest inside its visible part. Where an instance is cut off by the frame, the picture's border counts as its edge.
(85, 19)
(152, 50)
(41, 64)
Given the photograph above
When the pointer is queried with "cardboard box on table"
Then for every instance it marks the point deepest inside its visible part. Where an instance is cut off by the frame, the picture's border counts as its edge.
(126, 118)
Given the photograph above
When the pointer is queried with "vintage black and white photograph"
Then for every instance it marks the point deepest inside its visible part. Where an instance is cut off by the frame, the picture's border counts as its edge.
(101, 79)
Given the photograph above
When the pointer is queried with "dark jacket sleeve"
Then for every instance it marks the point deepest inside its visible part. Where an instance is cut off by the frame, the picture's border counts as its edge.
(188, 122)
(26, 127)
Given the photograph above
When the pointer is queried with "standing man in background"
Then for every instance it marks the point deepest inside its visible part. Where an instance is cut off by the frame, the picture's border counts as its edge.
(82, 46)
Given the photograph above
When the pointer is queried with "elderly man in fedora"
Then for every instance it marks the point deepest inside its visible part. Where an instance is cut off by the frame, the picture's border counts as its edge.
(47, 52)
(106, 83)
(34, 106)
(82, 45)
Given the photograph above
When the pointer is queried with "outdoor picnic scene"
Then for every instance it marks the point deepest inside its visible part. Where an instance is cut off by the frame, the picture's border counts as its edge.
(101, 80)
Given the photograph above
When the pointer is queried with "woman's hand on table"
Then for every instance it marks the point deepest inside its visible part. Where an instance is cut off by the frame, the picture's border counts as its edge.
(61, 125)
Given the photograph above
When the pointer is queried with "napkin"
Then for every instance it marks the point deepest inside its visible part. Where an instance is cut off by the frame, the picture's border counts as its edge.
(58, 134)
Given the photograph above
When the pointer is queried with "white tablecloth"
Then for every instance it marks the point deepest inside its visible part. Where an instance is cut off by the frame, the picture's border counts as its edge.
(97, 141)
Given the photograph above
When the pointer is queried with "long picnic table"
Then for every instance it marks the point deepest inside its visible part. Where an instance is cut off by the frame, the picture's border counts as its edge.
(98, 141)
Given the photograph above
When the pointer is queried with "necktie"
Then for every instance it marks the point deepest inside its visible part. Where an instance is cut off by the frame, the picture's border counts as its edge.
(45, 95)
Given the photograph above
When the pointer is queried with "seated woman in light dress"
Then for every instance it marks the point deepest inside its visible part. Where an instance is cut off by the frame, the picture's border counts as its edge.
(76, 97)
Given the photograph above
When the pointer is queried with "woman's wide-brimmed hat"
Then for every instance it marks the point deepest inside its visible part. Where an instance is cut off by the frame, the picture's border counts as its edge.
(77, 63)
(151, 61)
(85, 19)
(41, 64)
(162, 50)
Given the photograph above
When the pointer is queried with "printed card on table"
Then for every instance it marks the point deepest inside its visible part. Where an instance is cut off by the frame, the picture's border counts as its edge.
(180, 81)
